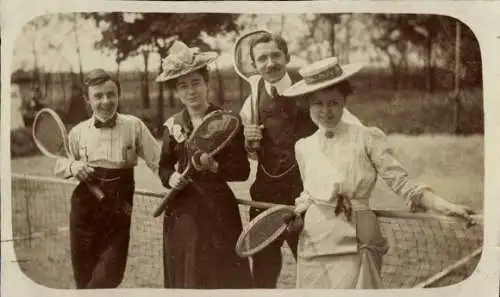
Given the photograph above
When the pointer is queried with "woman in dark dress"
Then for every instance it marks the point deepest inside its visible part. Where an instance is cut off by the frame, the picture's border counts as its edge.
(202, 222)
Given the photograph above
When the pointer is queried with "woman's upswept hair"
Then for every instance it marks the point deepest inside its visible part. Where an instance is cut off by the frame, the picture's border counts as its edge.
(171, 84)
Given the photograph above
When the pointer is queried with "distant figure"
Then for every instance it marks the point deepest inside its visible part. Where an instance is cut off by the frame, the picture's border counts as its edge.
(16, 100)
(77, 111)
(34, 104)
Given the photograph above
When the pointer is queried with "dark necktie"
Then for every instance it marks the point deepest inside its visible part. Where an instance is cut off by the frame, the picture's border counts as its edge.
(274, 92)
(107, 124)
(329, 134)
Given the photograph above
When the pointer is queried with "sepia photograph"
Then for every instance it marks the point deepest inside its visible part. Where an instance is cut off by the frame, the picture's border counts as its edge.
(247, 151)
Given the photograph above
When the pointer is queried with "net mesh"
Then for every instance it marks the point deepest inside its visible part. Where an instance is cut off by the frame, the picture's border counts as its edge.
(49, 134)
(419, 249)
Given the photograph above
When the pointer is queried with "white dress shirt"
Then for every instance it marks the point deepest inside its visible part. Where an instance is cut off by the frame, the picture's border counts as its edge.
(113, 148)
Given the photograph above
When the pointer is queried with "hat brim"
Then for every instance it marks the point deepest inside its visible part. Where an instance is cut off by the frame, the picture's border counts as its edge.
(302, 88)
(202, 60)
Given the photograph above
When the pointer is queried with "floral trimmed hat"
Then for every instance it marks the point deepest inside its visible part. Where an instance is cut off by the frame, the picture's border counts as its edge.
(183, 60)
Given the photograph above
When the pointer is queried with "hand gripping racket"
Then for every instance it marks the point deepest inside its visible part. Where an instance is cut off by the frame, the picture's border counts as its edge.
(244, 67)
(51, 137)
(216, 130)
(263, 230)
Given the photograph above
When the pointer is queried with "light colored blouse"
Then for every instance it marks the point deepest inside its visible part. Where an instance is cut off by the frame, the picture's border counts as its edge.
(349, 164)
(117, 147)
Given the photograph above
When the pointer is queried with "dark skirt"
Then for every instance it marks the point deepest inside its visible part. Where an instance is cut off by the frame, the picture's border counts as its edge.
(200, 234)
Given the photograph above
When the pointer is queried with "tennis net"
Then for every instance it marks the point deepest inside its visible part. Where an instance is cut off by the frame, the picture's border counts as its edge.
(423, 252)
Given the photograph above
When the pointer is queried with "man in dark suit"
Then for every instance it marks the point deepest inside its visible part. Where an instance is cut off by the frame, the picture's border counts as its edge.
(271, 140)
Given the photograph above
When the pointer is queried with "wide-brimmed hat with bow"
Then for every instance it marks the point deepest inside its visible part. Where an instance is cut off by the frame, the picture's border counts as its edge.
(183, 60)
(320, 75)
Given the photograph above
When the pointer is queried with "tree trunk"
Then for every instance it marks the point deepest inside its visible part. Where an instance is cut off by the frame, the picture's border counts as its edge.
(282, 28)
(429, 71)
(77, 44)
(395, 73)
(332, 34)
(36, 70)
(117, 74)
(347, 45)
(456, 93)
(146, 102)
(161, 105)
(221, 96)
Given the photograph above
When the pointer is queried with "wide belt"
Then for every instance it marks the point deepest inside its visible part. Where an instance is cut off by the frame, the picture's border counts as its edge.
(104, 175)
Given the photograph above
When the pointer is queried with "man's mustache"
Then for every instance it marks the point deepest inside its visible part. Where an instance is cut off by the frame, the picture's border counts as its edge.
(273, 68)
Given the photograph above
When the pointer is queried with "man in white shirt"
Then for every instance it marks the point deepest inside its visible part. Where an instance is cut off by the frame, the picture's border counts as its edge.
(280, 123)
(104, 151)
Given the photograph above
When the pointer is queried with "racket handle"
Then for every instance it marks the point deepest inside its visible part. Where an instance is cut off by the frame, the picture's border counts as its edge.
(163, 204)
(96, 191)
(254, 145)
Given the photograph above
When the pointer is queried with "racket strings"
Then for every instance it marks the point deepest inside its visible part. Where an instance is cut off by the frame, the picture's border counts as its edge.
(48, 133)
(214, 133)
(262, 231)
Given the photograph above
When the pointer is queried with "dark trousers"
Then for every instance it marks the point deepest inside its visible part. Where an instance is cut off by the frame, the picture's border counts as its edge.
(100, 234)
(282, 190)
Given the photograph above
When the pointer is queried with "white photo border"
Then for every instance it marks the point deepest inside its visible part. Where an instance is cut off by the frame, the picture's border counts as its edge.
(483, 17)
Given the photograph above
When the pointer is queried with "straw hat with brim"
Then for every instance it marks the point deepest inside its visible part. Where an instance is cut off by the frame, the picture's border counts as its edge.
(320, 75)
(183, 60)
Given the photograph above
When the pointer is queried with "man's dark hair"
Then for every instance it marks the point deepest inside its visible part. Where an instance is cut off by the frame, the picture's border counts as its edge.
(268, 37)
(97, 77)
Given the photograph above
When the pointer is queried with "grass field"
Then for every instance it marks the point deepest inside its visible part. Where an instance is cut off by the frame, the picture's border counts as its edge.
(453, 166)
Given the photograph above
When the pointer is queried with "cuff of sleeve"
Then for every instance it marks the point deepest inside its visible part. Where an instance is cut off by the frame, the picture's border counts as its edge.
(63, 168)
(417, 201)
(303, 202)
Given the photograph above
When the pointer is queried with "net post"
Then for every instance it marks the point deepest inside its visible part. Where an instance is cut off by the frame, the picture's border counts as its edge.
(28, 219)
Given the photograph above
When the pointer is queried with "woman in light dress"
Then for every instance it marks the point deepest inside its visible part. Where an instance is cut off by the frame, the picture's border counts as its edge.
(340, 245)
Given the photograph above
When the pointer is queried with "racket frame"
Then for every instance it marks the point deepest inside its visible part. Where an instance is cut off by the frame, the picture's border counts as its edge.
(279, 231)
(95, 190)
(187, 171)
(62, 129)
(254, 110)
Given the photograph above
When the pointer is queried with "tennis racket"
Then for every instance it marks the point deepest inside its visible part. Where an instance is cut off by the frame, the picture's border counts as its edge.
(393, 214)
(263, 230)
(216, 130)
(51, 138)
(244, 67)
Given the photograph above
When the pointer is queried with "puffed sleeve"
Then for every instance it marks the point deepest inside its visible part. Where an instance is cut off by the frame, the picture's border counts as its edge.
(391, 171)
(302, 202)
(233, 162)
(147, 146)
(168, 159)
